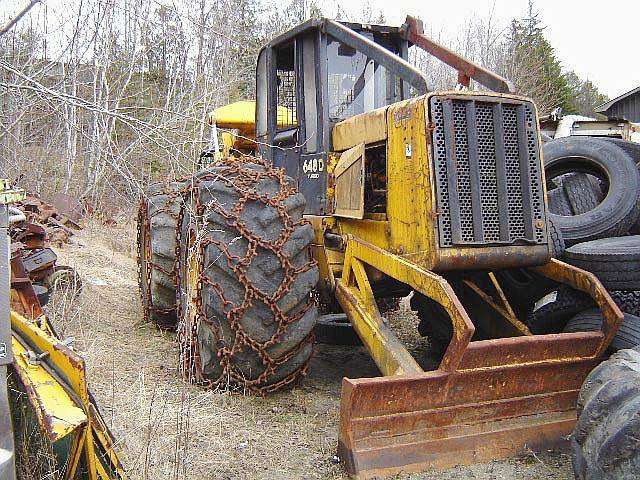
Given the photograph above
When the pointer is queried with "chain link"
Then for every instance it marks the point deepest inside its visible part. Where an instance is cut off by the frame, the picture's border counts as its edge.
(237, 174)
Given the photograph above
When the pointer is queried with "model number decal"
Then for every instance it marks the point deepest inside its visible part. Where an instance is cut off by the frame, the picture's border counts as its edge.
(312, 167)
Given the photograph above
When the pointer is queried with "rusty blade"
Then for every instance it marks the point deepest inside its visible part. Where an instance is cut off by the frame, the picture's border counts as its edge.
(441, 419)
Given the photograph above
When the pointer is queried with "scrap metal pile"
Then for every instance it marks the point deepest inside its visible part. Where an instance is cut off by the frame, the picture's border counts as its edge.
(56, 427)
(59, 219)
(34, 225)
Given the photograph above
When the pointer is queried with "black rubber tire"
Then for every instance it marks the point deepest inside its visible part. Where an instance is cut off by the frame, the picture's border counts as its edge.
(434, 323)
(605, 443)
(583, 192)
(627, 300)
(160, 207)
(523, 288)
(633, 149)
(555, 239)
(335, 329)
(627, 336)
(615, 261)
(222, 289)
(620, 208)
(558, 202)
(551, 313)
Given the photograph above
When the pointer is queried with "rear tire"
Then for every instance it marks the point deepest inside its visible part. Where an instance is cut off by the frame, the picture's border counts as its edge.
(605, 442)
(246, 278)
(157, 229)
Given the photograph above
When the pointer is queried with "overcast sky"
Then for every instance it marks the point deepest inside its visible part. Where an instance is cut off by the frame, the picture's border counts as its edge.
(600, 40)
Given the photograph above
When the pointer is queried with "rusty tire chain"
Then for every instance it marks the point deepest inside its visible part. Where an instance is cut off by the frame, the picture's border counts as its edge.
(144, 238)
(242, 180)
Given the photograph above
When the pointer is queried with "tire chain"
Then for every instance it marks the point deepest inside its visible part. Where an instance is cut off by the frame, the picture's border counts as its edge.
(241, 179)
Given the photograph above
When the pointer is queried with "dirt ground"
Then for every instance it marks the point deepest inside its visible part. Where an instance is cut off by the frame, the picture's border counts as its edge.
(167, 429)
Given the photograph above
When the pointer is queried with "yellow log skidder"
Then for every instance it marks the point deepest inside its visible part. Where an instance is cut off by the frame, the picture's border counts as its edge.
(368, 185)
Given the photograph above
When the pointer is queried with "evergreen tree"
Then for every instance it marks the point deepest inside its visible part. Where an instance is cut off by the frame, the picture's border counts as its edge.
(585, 95)
(532, 64)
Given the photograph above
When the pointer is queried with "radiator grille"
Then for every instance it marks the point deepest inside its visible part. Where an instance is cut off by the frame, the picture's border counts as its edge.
(488, 179)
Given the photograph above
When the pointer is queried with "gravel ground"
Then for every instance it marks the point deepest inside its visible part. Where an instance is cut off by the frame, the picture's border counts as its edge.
(168, 429)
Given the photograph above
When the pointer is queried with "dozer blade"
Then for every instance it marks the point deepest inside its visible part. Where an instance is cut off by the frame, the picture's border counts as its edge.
(488, 399)
(493, 410)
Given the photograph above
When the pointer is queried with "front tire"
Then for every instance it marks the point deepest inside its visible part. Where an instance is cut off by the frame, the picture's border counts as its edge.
(246, 277)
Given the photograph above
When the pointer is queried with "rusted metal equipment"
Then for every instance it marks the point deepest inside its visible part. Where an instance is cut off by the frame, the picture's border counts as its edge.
(50, 381)
(488, 399)
(466, 70)
(406, 190)
(56, 424)
(33, 262)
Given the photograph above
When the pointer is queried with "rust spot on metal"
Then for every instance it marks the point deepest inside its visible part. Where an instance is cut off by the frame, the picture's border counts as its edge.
(44, 419)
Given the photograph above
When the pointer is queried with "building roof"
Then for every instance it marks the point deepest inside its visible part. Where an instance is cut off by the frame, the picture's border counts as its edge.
(606, 106)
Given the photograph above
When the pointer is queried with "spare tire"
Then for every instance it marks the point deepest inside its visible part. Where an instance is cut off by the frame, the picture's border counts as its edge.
(605, 443)
(583, 192)
(156, 244)
(246, 278)
(627, 336)
(615, 261)
(620, 208)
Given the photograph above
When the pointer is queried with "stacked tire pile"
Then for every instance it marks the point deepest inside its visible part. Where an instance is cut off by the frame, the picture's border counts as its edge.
(593, 187)
(605, 441)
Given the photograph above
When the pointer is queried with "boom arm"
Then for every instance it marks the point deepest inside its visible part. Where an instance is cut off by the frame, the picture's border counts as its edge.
(466, 69)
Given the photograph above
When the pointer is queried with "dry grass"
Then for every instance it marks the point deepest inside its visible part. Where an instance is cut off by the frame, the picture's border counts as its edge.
(167, 429)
